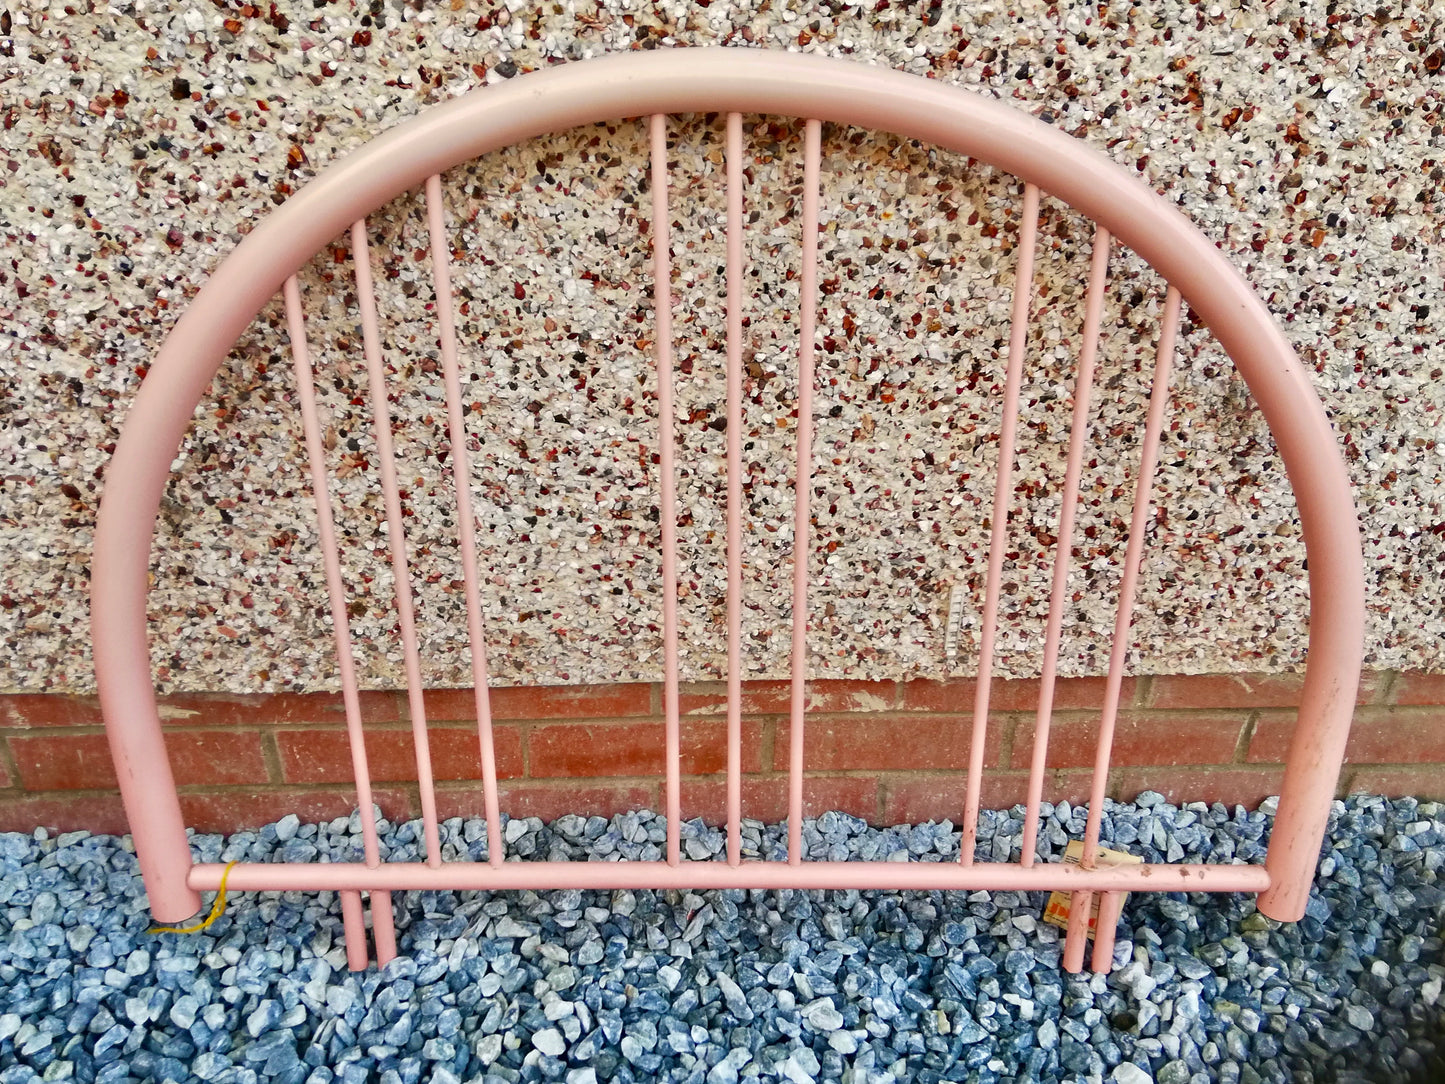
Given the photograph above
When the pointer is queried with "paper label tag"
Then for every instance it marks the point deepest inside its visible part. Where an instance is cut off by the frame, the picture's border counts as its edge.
(1056, 911)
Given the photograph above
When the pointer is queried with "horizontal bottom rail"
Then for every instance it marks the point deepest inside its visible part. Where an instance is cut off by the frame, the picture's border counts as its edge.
(545, 876)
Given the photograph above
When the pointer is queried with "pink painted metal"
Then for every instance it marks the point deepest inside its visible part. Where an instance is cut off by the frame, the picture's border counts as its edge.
(331, 558)
(354, 924)
(1128, 584)
(1081, 902)
(383, 927)
(998, 527)
(545, 876)
(1129, 581)
(466, 525)
(735, 485)
(1093, 312)
(396, 535)
(1110, 905)
(807, 326)
(732, 82)
(667, 481)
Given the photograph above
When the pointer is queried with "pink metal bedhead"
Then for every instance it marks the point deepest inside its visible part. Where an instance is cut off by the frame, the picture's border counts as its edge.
(733, 82)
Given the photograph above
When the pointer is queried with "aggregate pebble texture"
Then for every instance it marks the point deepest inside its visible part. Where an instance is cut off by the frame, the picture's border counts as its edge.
(734, 986)
(139, 143)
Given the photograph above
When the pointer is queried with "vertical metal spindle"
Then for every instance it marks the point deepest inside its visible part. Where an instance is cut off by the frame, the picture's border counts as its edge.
(353, 926)
(998, 541)
(808, 290)
(1110, 904)
(667, 514)
(1063, 548)
(466, 523)
(331, 560)
(371, 338)
(1077, 936)
(1149, 456)
(383, 927)
(735, 480)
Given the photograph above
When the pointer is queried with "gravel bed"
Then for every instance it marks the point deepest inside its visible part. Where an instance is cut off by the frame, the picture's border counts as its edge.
(719, 987)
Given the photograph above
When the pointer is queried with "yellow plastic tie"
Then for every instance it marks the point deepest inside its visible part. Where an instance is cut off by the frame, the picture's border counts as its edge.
(218, 908)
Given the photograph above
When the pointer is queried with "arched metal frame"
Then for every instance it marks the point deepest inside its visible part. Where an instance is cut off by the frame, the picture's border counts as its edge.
(734, 82)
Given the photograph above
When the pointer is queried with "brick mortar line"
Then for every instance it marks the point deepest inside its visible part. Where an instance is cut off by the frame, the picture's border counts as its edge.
(1393, 765)
(764, 717)
(1345, 784)
(541, 720)
(1228, 765)
(271, 757)
(620, 782)
(404, 726)
(1143, 689)
(1009, 728)
(719, 777)
(91, 731)
(1245, 738)
(190, 789)
(783, 714)
(12, 771)
(769, 744)
(88, 792)
(965, 713)
(1056, 713)
(962, 773)
(253, 788)
(475, 785)
(367, 727)
(1023, 773)
(1389, 711)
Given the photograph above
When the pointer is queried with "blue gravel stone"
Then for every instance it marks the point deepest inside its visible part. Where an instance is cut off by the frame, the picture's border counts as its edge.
(721, 985)
(966, 1029)
(733, 997)
(549, 1041)
(915, 1000)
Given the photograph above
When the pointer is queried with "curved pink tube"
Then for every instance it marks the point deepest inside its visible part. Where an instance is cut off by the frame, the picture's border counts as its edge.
(741, 81)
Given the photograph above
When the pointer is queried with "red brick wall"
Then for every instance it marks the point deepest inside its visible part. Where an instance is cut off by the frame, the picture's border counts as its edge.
(889, 752)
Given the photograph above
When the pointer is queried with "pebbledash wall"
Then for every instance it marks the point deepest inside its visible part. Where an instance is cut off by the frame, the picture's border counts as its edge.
(890, 752)
(140, 142)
